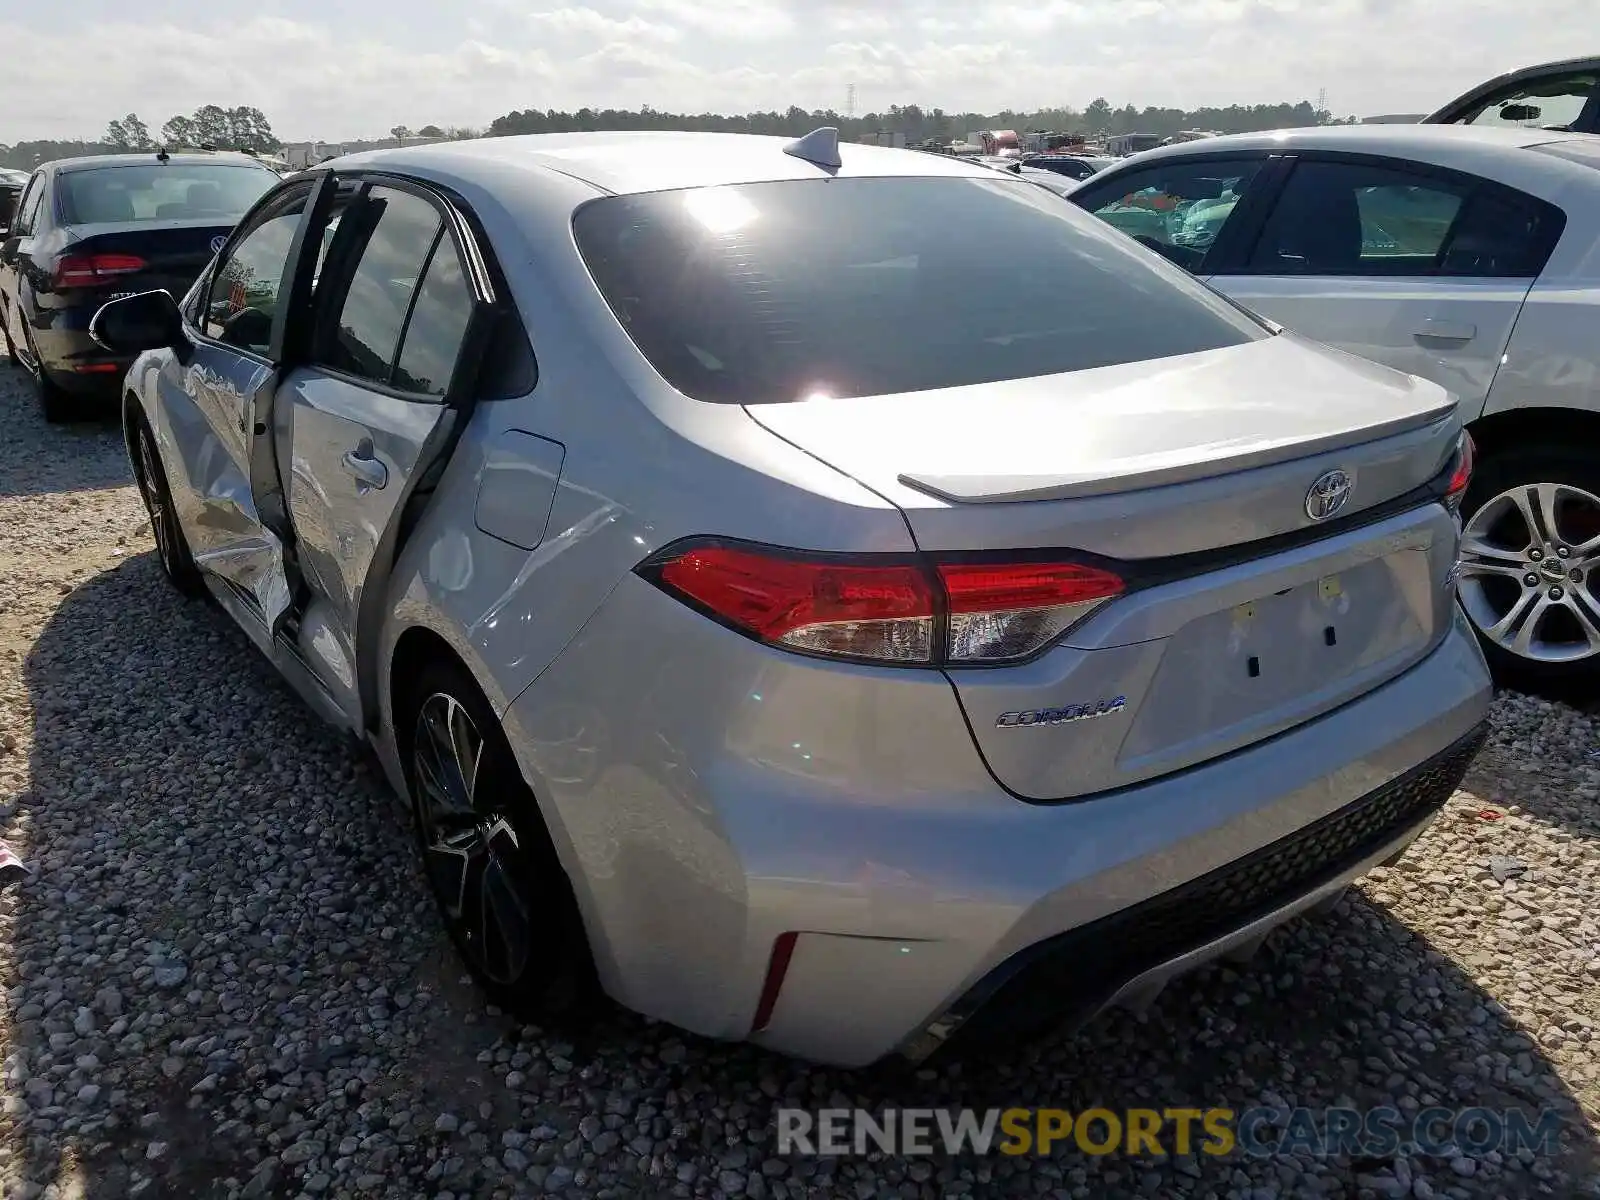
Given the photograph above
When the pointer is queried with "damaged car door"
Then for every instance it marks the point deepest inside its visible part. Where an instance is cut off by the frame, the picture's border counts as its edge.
(217, 401)
(402, 312)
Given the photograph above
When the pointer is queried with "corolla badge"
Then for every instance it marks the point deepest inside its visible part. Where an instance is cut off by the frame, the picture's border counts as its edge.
(1329, 493)
(218, 242)
(1029, 718)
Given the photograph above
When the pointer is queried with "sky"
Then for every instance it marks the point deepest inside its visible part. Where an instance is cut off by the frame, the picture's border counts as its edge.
(342, 69)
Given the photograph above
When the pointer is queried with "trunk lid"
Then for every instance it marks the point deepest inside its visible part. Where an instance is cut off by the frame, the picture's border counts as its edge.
(1244, 615)
(175, 252)
(1114, 429)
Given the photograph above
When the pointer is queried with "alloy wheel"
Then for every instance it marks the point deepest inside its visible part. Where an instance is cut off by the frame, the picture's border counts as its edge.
(473, 853)
(155, 502)
(1528, 556)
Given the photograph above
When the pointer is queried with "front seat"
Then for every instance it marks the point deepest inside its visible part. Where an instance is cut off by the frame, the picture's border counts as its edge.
(1321, 235)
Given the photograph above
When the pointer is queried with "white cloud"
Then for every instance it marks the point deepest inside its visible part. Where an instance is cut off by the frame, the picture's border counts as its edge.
(366, 65)
(754, 20)
(586, 23)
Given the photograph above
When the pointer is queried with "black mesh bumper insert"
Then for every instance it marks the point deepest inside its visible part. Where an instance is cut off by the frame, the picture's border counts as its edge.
(1071, 976)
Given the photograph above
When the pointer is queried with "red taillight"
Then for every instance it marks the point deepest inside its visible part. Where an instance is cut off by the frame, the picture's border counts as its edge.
(1461, 473)
(94, 270)
(890, 610)
(854, 609)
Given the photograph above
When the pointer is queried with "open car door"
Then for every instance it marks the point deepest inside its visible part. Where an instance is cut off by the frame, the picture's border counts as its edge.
(367, 418)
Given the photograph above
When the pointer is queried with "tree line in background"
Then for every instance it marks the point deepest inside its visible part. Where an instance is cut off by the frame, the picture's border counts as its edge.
(245, 127)
(935, 124)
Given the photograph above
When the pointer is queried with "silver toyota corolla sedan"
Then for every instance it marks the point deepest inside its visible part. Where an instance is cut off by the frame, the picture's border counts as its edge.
(790, 616)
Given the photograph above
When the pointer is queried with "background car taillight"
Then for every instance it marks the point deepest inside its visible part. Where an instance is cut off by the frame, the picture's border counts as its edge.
(889, 609)
(1460, 473)
(94, 270)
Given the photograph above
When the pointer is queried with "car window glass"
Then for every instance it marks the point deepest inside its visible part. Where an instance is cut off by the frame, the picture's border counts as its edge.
(1343, 218)
(172, 191)
(8, 205)
(395, 232)
(438, 323)
(771, 292)
(1178, 210)
(245, 286)
(1540, 104)
(28, 207)
(1356, 219)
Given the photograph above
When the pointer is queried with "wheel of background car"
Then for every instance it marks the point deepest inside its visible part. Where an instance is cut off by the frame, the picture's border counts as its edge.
(1530, 551)
(172, 548)
(494, 873)
(11, 349)
(57, 406)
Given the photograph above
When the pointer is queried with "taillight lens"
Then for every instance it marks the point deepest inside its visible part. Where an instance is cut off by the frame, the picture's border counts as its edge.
(892, 609)
(94, 270)
(851, 609)
(1460, 472)
(1000, 611)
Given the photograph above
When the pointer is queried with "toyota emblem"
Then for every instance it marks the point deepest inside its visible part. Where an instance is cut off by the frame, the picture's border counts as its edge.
(1328, 495)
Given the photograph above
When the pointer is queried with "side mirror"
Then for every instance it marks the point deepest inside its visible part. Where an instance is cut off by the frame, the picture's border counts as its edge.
(134, 324)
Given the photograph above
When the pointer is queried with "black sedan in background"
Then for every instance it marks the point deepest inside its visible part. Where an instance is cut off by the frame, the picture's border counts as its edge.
(11, 184)
(87, 230)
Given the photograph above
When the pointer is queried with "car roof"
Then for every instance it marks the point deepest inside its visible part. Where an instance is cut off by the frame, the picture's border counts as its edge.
(648, 160)
(145, 158)
(1397, 140)
(1463, 147)
(1563, 66)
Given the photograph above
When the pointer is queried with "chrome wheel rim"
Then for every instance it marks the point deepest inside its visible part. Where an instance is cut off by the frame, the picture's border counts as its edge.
(154, 502)
(471, 849)
(1528, 558)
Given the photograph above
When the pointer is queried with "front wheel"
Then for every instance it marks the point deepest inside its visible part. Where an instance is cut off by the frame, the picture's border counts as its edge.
(500, 888)
(1529, 556)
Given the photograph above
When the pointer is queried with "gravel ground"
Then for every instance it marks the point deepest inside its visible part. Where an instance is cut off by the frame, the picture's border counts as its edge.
(224, 978)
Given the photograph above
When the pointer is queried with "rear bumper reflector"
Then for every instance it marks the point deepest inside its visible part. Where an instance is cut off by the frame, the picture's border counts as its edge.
(777, 968)
(97, 368)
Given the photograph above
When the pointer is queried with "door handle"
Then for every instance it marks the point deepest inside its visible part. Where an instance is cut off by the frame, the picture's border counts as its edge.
(366, 469)
(1447, 331)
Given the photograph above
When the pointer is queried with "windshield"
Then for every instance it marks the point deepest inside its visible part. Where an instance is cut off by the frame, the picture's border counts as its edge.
(1544, 104)
(855, 287)
(174, 191)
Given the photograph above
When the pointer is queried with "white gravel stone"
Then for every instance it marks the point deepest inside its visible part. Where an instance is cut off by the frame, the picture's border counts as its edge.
(225, 977)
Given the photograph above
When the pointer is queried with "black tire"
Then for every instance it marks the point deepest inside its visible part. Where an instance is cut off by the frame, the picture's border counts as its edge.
(11, 349)
(538, 967)
(172, 548)
(1499, 471)
(58, 407)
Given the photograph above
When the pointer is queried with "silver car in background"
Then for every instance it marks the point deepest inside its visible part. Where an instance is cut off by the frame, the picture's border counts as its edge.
(787, 614)
(1469, 256)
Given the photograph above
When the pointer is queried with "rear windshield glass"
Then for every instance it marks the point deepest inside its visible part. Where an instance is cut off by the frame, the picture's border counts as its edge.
(854, 287)
(176, 191)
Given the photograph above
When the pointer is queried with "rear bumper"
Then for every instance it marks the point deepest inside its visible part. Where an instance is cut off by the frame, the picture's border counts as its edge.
(708, 796)
(1130, 956)
(72, 360)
